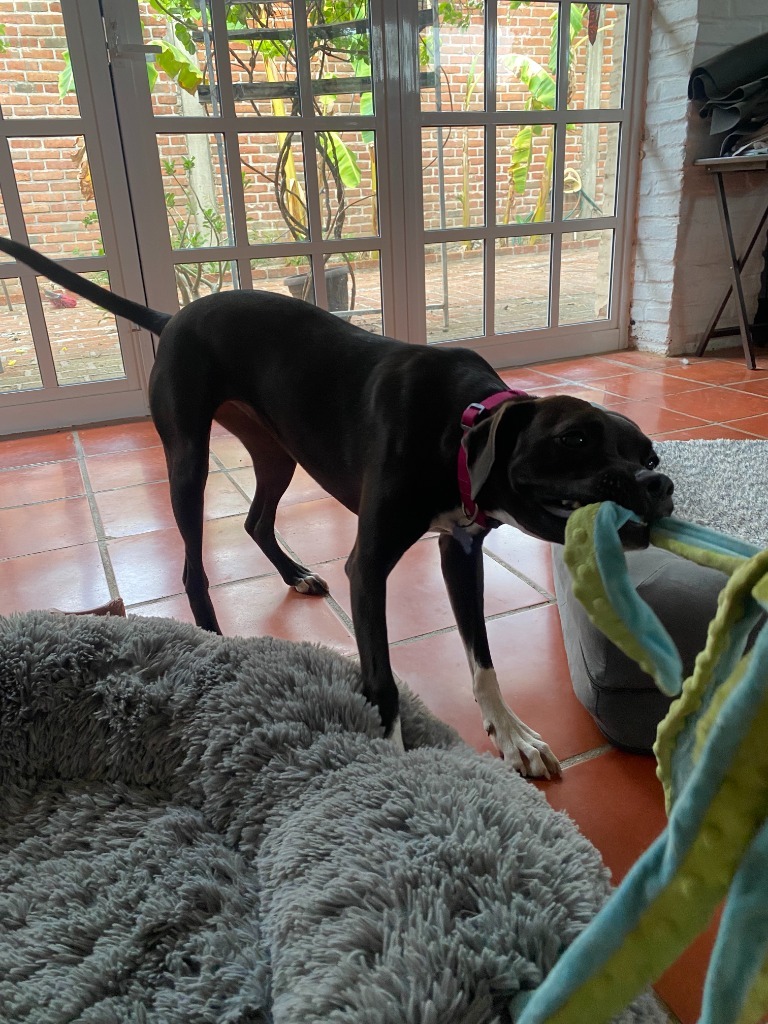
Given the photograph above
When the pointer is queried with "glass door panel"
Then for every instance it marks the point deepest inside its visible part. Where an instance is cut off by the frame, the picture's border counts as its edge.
(62, 360)
(523, 131)
(261, 93)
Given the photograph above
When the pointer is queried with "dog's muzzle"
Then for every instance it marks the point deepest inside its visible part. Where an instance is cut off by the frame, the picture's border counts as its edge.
(654, 501)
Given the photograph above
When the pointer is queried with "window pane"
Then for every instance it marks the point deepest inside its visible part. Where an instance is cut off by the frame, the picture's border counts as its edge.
(591, 161)
(182, 77)
(273, 185)
(84, 341)
(522, 283)
(340, 57)
(346, 175)
(19, 370)
(451, 49)
(275, 273)
(300, 282)
(453, 183)
(524, 160)
(361, 286)
(193, 280)
(596, 77)
(454, 277)
(56, 195)
(194, 182)
(35, 73)
(262, 48)
(585, 276)
(526, 67)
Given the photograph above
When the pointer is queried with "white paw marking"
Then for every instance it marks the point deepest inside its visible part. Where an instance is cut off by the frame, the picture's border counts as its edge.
(517, 743)
(396, 736)
(312, 584)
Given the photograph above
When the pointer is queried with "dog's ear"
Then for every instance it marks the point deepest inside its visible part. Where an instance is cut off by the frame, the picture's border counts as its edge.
(480, 442)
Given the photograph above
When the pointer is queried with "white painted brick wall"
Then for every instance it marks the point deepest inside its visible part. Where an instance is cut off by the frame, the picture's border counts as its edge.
(680, 265)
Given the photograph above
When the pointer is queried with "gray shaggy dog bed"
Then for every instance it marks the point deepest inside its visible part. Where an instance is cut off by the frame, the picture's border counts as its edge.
(195, 828)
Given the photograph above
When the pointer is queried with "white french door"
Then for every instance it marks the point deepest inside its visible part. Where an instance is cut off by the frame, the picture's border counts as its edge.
(453, 172)
(65, 192)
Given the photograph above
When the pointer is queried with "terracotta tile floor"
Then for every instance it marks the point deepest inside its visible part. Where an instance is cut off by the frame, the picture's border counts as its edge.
(85, 516)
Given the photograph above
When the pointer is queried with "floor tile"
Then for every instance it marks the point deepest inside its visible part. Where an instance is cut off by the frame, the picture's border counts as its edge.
(527, 378)
(417, 601)
(717, 404)
(617, 802)
(654, 419)
(714, 371)
(67, 579)
(587, 368)
(644, 360)
(591, 392)
(527, 650)
(124, 469)
(712, 432)
(317, 531)
(29, 449)
(756, 387)
(45, 482)
(757, 425)
(648, 386)
(301, 488)
(149, 566)
(118, 437)
(51, 524)
(147, 507)
(230, 452)
(527, 555)
(264, 607)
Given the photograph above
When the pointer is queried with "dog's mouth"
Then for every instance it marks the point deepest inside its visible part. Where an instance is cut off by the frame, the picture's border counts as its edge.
(561, 507)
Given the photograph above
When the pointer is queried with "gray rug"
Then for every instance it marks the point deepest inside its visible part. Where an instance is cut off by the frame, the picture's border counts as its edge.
(722, 484)
(202, 829)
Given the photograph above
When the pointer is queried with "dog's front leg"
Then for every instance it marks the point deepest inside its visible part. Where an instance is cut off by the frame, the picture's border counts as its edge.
(382, 539)
(463, 574)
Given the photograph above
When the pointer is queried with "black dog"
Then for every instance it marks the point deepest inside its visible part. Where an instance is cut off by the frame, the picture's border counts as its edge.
(410, 438)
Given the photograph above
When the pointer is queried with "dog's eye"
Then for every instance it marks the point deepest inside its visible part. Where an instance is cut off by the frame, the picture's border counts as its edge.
(573, 439)
(653, 462)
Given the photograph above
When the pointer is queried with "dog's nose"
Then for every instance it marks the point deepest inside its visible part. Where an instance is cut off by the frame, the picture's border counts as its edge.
(658, 486)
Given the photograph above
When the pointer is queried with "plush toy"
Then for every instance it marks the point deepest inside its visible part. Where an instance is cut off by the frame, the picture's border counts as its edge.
(712, 753)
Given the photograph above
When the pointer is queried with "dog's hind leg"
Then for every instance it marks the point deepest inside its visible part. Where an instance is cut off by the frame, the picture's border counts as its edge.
(517, 743)
(273, 468)
(187, 460)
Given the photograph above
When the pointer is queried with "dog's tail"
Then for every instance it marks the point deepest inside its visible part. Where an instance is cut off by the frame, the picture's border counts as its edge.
(151, 319)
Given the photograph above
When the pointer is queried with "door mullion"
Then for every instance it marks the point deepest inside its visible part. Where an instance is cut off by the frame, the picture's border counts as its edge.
(307, 127)
(226, 124)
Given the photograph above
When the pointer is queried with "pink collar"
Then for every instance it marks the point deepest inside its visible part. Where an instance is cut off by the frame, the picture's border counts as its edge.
(469, 417)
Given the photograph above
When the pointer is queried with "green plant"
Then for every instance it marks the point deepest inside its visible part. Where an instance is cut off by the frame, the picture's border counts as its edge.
(542, 95)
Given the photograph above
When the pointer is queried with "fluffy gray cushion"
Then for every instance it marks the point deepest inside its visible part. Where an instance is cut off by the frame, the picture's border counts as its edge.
(720, 484)
(195, 828)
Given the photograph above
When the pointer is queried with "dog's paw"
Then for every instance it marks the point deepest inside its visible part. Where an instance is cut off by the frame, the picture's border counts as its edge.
(523, 749)
(396, 736)
(311, 584)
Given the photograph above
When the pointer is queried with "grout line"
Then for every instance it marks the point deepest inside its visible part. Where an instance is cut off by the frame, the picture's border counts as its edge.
(587, 755)
(521, 576)
(98, 525)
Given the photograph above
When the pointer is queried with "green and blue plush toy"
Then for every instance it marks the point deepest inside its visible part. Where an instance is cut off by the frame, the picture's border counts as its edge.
(712, 752)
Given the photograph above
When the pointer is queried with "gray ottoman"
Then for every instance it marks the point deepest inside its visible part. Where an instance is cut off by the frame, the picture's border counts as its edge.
(623, 700)
(720, 484)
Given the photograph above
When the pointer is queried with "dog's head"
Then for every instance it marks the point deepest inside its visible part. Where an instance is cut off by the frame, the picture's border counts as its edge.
(533, 461)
